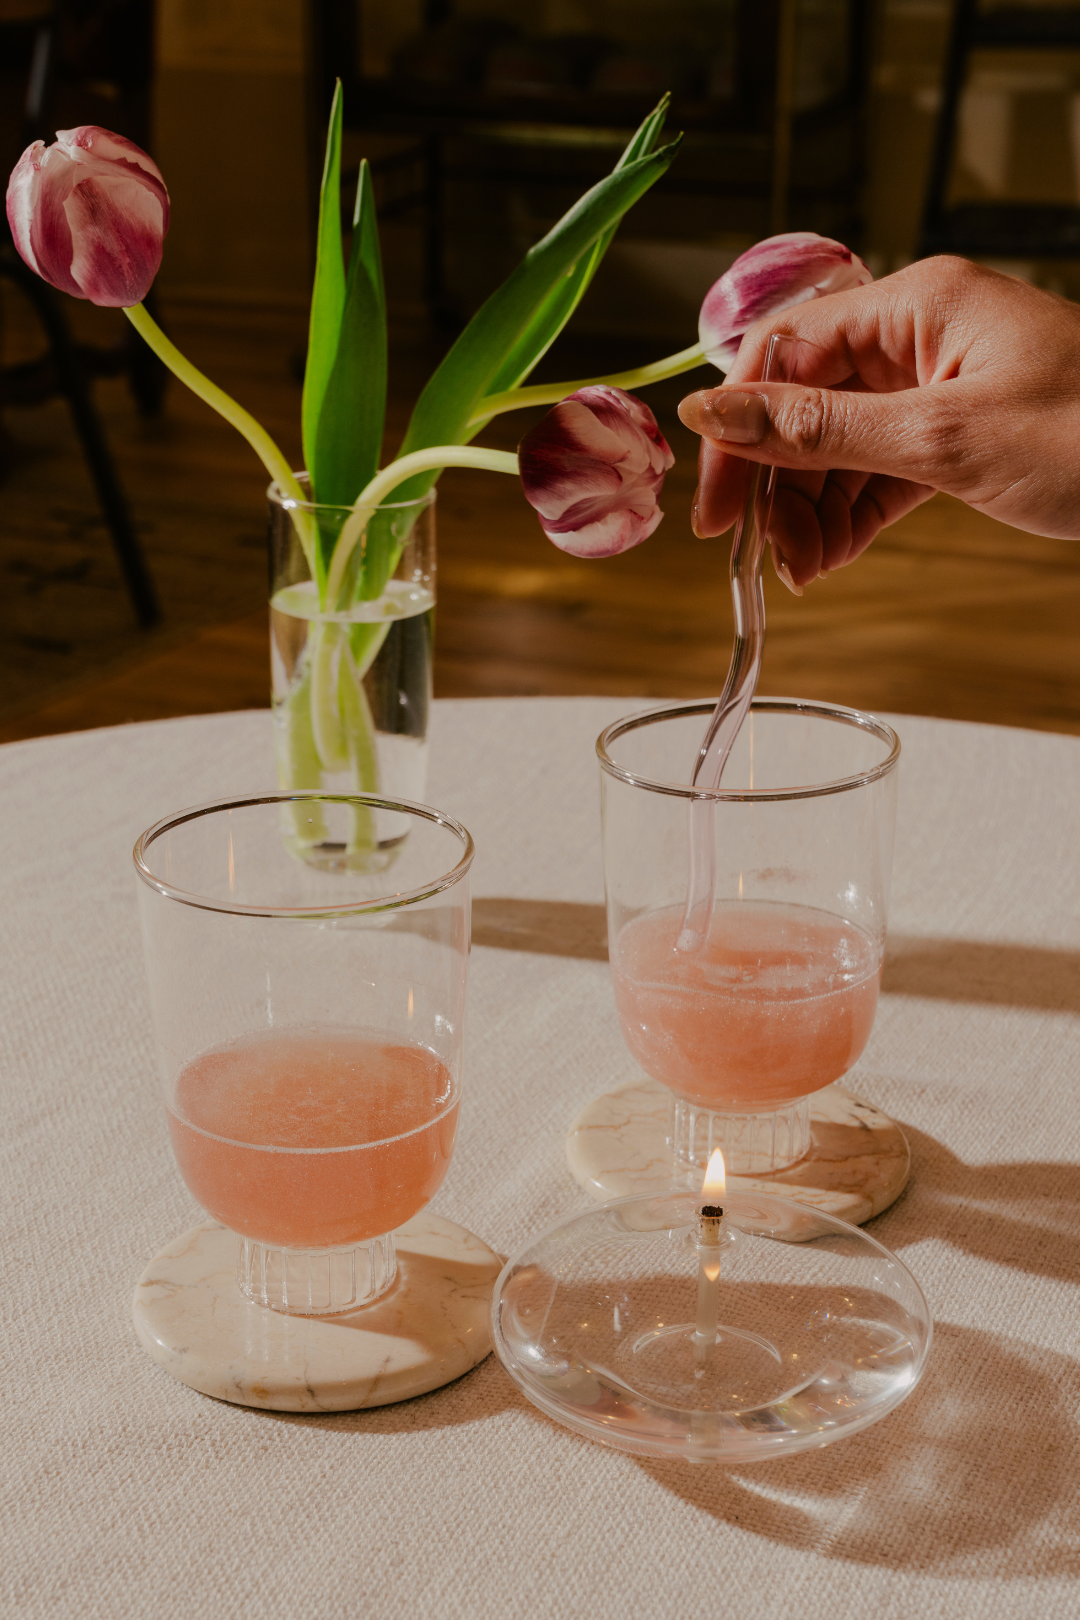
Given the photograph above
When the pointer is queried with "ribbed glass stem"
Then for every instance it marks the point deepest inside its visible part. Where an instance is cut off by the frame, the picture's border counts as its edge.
(752, 1144)
(316, 1282)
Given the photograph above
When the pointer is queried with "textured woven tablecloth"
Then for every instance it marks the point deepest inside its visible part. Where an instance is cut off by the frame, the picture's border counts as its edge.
(127, 1494)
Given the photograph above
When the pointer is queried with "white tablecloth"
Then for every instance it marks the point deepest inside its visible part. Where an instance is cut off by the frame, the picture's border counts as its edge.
(127, 1494)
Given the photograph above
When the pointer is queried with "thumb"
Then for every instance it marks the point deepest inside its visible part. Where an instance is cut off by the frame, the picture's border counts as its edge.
(915, 434)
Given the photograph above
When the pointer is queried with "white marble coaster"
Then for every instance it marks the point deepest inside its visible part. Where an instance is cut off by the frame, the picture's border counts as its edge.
(432, 1326)
(858, 1163)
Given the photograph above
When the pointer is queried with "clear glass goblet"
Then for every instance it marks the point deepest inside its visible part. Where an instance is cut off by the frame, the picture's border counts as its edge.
(308, 1025)
(778, 997)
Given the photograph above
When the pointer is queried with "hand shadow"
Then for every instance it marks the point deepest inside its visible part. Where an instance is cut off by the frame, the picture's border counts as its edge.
(977, 1475)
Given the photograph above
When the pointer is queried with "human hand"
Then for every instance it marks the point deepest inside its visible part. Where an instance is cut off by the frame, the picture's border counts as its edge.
(943, 376)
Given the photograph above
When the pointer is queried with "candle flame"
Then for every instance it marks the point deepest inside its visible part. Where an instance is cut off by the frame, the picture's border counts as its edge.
(714, 1186)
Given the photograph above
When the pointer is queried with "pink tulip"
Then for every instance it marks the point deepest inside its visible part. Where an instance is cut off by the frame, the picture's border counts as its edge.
(89, 214)
(593, 469)
(769, 277)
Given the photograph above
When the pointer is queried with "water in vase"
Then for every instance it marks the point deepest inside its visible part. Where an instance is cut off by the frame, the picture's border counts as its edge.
(352, 691)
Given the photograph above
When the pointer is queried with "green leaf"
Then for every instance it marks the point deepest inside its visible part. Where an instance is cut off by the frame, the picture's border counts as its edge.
(349, 439)
(447, 404)
(327, 296)
(514, 328)
(556, 309)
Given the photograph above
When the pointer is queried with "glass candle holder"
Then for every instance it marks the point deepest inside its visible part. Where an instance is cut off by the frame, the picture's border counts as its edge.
(815, 1330)
(308, 1026)
(778, 999)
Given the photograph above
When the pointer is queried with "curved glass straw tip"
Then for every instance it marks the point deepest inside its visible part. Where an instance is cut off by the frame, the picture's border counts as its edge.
(748, 603)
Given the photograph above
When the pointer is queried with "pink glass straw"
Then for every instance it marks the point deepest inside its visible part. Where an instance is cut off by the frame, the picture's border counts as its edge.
(748, 601)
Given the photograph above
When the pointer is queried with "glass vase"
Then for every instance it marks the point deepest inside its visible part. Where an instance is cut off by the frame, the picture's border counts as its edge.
(351, 679)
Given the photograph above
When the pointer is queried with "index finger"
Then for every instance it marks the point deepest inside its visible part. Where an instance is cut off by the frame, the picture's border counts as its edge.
(866, 337)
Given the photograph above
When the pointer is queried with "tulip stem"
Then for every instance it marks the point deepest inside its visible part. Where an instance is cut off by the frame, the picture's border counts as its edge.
(384, 483)
(514, 399)
(255, 434)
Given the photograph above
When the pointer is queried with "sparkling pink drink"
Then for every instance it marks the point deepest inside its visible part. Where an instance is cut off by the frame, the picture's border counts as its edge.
(776, 1004)
(314, 1139)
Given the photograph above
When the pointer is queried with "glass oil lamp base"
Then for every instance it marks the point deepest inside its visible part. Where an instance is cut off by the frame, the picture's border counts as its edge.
(431, 1325)
(856, 1165)
(815, 1330)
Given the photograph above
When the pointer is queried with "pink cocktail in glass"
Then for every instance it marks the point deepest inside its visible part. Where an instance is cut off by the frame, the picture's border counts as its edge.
(778, 1002)
(314, 1140)
(308, 1005)
(776, 998)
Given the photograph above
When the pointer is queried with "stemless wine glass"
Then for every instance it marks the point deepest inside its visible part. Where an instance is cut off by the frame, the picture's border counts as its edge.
(309, 1029)
(778, 997)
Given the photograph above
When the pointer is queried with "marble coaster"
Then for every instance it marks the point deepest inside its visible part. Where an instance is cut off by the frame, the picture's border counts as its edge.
(432, 1326)
(858, 1163)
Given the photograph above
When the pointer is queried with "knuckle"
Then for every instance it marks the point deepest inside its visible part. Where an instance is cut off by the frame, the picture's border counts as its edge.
(953, 268)
(942, 431)
(805, 421)
(941, 441)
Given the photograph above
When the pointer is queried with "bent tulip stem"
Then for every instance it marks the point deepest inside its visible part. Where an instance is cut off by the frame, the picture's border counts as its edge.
(326, 727)
(515, 399)
(385, 482)
(255, 434)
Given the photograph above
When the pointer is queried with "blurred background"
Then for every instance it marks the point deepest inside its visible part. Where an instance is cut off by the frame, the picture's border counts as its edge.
(132, 552)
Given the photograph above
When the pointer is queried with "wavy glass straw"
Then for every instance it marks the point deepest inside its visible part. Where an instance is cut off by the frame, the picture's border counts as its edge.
(748, 601)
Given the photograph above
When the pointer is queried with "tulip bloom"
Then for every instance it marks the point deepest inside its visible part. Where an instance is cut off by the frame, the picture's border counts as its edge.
(89, 215)
(769, 277)
(593, 469)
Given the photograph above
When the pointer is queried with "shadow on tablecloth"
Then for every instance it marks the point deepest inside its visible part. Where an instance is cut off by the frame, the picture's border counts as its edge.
(1024, 1215)
(977, 1474)
(1007, 975)
(546, 927)
(945, 969)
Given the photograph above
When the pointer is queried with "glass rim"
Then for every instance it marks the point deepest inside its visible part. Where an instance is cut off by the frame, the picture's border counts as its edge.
(776, 705)
(352, 908)
(277, 497)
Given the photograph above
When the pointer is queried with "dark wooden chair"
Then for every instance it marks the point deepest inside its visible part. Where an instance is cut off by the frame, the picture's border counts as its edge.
(66, 367)
(483, 99)
(1006, 229)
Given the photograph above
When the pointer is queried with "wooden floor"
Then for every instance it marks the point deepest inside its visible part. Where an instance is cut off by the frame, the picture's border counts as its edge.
(949, 614)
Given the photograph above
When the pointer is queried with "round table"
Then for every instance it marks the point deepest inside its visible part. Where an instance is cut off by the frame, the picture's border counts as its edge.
(128, 1494)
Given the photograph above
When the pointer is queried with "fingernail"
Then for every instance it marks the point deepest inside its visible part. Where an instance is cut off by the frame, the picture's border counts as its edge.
(693, 514)
(823, 573)
(726, 414)
(784, 573)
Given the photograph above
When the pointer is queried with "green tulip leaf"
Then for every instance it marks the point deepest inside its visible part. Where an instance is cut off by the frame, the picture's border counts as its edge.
(555, 310)
(349, 439)
(327, 297)
(448, 402)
